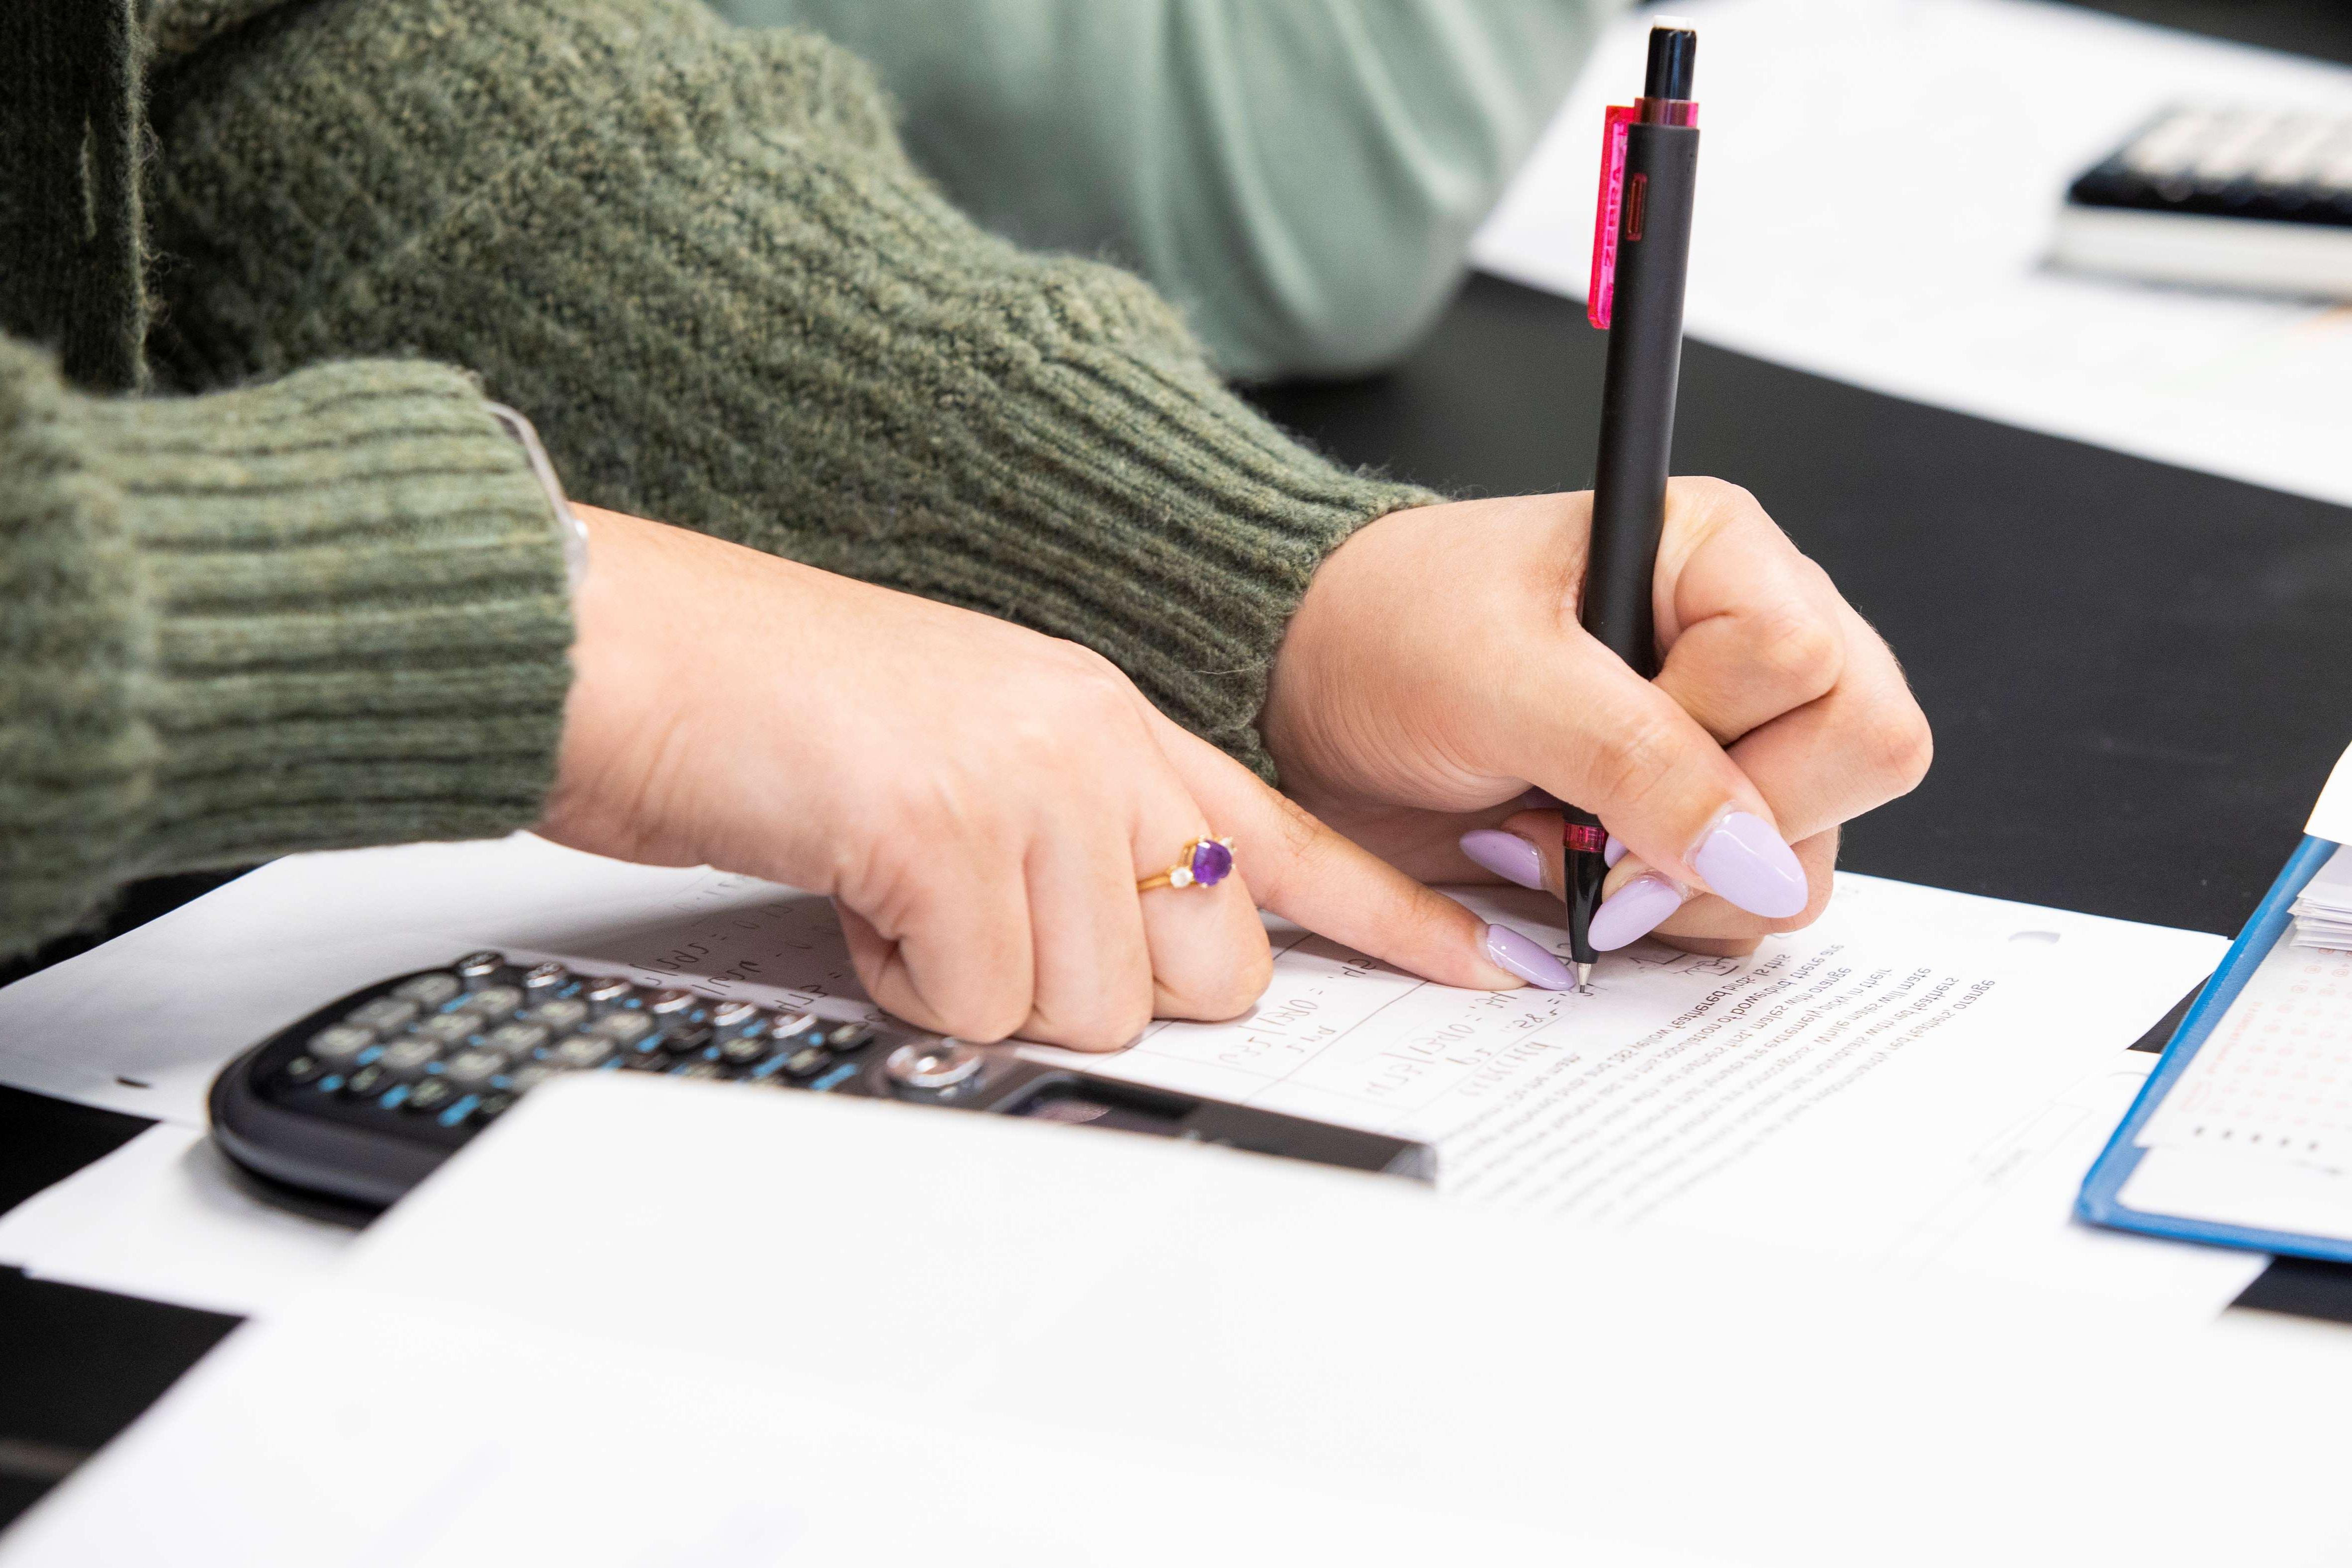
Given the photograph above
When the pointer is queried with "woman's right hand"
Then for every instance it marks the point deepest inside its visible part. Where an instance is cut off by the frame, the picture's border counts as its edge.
(979, 800)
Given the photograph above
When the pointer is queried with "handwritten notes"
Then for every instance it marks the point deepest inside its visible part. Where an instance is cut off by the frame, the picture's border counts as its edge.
(1829, 1090)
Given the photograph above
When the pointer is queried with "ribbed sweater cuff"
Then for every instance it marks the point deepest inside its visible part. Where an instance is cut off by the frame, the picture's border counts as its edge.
(360, 623)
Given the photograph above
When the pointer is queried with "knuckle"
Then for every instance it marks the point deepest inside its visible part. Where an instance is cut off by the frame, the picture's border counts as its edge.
(1801, 650)
(1717, 497)
(1634, 760)
(983, 1020)
(1900, 746)
(1233, 987)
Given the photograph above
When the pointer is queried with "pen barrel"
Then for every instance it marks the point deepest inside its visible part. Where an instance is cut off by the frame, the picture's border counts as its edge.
(1637, 410)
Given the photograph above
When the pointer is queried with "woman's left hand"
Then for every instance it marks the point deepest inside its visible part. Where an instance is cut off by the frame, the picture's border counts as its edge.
(1435, 672)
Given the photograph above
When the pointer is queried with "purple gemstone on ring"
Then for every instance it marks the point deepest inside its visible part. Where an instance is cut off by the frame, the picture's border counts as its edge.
(1211, 862)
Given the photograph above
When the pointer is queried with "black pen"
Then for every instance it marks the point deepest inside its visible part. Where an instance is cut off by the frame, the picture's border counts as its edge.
(1641, 255)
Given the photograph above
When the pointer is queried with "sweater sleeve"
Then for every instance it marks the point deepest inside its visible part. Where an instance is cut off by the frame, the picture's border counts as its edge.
(323, 613)
(697, 259)
(1302, 178)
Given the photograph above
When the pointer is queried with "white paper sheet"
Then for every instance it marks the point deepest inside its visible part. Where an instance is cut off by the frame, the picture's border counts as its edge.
(1934, 1041)
(2274, 1076)
(2258, 1130)
(167, 1218)
(871, 1320)
(1878, 184)
(2331, 818)
(1939, 1025)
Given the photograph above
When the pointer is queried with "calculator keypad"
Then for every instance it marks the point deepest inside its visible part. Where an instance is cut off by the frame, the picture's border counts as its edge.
(453, 1049)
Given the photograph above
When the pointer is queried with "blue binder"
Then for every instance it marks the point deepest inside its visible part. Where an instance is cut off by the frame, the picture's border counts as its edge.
(2099, 1202)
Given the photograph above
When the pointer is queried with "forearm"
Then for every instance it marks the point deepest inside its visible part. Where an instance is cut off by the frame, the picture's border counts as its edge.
(1303, 178)
(324, 613)
(699, 261)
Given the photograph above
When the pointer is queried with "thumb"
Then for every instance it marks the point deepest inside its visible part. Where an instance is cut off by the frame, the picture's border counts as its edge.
(1303, 871)
(1627, 752)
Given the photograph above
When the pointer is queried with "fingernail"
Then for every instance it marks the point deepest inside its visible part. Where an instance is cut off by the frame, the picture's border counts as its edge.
(1507, 855)
(1527, 959)
(1613, 852)
(1634, 911)
(1744, 862)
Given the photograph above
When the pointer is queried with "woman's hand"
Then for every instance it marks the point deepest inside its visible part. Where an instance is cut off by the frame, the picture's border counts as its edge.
(1436, 671)
(979, 800)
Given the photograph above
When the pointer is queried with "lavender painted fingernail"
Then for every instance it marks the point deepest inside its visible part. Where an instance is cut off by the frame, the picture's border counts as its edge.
(1744, 862)
(1613, 852)
(1507, 855)
(1527, 957)
(1634, 911)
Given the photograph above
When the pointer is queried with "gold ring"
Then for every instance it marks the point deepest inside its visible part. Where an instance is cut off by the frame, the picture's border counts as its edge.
(1205, 863)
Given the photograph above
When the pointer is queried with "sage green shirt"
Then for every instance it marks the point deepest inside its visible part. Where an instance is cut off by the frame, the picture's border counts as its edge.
(1301, 176)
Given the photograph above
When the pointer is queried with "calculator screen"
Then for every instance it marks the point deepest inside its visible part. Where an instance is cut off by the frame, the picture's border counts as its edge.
(1087, 1108)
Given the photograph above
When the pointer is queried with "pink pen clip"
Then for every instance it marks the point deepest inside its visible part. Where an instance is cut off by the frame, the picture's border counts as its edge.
(1606, 208)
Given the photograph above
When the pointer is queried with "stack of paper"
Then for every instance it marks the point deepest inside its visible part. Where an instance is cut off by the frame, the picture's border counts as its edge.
(2323, 910)
(1966, 1052)
(789, 1328)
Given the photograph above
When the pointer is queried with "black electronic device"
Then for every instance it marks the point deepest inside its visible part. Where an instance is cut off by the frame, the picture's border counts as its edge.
(363, 1099)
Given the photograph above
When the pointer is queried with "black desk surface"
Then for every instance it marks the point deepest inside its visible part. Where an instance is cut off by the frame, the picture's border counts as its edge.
(2135, 674)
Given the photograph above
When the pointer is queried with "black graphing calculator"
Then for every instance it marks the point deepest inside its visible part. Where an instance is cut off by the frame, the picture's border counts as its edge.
(361, 1099)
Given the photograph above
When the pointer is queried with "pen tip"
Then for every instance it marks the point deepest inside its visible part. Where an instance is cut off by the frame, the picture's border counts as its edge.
(1584, 979)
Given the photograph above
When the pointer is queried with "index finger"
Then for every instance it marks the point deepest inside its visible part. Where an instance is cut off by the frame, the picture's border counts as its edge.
(1305, 872)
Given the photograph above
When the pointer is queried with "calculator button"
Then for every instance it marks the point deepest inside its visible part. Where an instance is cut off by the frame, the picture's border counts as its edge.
(807, 1062)
(933, 1063)
(523, 1080)
(583, 1051)
(471, 1069)
(662, 1004)
(300, 1070)
(491, 1107)
(849, 1037)
(792, 1024)
(371, 1079)
(628, 1028)
(646, 1061)
(476, 969)
(429, 1095)
(544, 977)
(562, 1013)
(384, 1014)
(336, 1046)
(516, 1039)
(407, 1057)
(734, 1015)
(703, 1069)
(428, 990)
(447, 1029)
(609, 992)
(688, 1040)
(495, 1001)
(742, 1050)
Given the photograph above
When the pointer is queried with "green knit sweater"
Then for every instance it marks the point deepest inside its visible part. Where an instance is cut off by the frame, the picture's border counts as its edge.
(329, 609)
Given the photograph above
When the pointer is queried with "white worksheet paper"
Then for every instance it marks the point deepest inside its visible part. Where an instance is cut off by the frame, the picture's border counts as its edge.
(1879, 181)
(167, 1217)
(1931, 1039)
(2331, 816)
(2257, 1132)
(1853, 1089)
(918, 1337)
